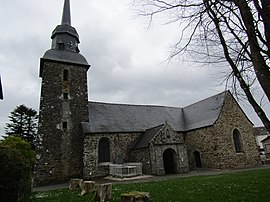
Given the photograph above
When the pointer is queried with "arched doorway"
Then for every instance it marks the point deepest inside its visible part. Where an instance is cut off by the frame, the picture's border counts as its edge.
(169, 161)
(198, 160)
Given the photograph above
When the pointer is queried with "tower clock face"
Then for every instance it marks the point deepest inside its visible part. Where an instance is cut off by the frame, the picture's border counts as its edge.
(71, 44)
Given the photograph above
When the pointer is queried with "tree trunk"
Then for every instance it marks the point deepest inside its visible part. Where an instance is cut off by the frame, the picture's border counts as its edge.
(236, 72)
(259, 63)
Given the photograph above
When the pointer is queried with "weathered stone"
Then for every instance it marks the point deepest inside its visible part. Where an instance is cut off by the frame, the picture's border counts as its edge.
(215, 143)
(60, 122)
(103, 192)
(119, 145)
(75, 184)
(135, 197)
(87, 187)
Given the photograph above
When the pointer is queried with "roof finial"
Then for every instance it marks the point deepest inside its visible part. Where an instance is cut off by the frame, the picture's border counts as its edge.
(66, 19)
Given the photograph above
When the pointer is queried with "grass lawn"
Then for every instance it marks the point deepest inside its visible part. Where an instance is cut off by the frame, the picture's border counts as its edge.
(242, 186)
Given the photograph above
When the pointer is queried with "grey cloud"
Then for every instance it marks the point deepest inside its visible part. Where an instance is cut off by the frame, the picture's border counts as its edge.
(127, 60)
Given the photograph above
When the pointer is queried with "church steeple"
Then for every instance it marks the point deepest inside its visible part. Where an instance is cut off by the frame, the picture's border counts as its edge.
(66, 19)
(65, 41)
(63, 106)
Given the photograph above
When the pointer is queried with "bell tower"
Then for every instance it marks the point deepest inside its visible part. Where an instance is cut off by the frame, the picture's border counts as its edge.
(63, 106)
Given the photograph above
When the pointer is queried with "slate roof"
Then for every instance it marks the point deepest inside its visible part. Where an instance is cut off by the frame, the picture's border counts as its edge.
(265, 139)
(65, 34)
(204, 112)
(110, 118)
(105, 117)
(146, 137)
(64, 56)
(260, 131)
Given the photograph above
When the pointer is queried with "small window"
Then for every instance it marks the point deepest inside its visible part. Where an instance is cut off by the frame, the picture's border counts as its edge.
(237, 141)
(65, 125)
(184, 137)
(168, 135)
(66, 75)
(65, 96)
(61, 46)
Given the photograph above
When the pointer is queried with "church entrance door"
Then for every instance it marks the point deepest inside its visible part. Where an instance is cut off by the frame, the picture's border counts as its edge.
(169, 161)
(198, 160)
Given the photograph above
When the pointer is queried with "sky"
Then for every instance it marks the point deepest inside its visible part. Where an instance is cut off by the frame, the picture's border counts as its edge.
(128, 58)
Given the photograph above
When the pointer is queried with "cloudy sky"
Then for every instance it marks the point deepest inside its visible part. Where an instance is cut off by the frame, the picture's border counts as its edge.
(128, 60)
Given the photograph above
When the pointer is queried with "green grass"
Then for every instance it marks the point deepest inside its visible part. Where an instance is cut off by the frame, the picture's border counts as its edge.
(242, 186)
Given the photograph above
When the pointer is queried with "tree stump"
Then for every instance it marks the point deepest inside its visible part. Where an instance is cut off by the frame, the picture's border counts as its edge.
(75, 184)
(87, 187)
(103, 192)
(135, 197)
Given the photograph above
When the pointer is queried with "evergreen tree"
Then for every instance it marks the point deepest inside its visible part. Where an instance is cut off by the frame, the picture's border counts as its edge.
(23, 123)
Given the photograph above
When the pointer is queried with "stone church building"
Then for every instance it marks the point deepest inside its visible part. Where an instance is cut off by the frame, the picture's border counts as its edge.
(81, 138)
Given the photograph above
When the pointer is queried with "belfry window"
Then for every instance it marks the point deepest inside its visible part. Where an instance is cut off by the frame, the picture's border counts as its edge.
(104, 150)
(65, 96)
(65, 75)
(237, 141)
(61, 45)
(64, 125)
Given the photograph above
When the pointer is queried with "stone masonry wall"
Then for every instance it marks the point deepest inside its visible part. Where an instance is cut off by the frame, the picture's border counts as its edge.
(216, 144)
(151, 157)
(142, 156)
(156, 155)
(167, 138)
(120, 144)
(59, 157)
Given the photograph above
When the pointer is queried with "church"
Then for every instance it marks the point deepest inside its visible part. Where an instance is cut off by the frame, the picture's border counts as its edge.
(81, 138)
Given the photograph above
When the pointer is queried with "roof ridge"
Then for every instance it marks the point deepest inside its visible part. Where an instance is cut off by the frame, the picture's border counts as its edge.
(208, 98)
(155, 127)
(129, 104)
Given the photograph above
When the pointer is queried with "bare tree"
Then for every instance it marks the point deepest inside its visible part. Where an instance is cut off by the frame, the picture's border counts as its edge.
(235, 33)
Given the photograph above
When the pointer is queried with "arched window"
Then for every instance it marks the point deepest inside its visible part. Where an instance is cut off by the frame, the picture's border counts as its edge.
(237, 141)
(198, 160)
(104, 150)
(65, 75)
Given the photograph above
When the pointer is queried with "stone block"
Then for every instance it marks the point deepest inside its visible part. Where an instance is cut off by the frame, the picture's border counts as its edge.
(87, 187)
(75, 184)
(135, 196)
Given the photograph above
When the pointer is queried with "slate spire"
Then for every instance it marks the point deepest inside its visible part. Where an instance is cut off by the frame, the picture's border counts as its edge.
(65, 41)
(66, 18)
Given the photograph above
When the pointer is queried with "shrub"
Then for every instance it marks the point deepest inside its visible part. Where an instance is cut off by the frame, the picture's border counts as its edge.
(17, 160)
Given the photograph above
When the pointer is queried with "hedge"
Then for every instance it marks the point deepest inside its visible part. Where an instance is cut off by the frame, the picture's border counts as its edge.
(16, 164)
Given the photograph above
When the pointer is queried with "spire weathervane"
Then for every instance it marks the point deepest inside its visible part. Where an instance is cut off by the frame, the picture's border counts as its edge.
(66, 19)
